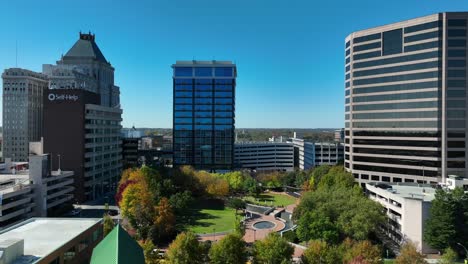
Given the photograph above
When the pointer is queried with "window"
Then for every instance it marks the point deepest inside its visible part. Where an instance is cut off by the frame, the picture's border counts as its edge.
(397, 78)
(406, 58)
(374, 45)
(424, 26)
(457, 53)
(457, 33)
(429, 35)
(456, 63)
(392, 42)
(456, 22)
(397, 87)
(366, 38)
(223, 71)
(183, 71)
(456, 73)
(203, 71)
(423, 46)
(456, 43)
(366, 55)
(410, 67)
(456, 93)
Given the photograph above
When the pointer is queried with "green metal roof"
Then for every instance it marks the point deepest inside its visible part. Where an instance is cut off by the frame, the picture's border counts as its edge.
(85, 48)
(118, 247)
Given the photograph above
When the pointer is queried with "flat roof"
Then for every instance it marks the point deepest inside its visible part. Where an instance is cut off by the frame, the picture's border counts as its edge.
(192, 63)
(42, 236)
(423, 192)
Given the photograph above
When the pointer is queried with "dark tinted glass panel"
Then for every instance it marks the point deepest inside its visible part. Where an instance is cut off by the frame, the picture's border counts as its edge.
(410, 67)
(183, 114)
(396, 87)
(456, 33)
(347, 44)
(203, 107)
(347, 108)
(366, 46)
(456, 22)
(203, 94)
(456, 43)
(224, 81)
(183, 94)
(366, 38)
(400, 152)
(223, 71)
(456, 73)
(397, 124)
(223, 100)
(203, 71)
(456, 164)
(348, 52)
(398, 133)
(183, 107)
(183, 100)
(366, 55)
(456, 144)
(223, 107)
(412, 143)
(183, 81)
(456, 83)
(347, 76)
(413, 57)
(423, 46)
(183, 71)
(203, 100)
(431, 104)
(392, 42)
(428, 35)
(203, 88)
(456, 124)
(183, 120)
(347, 68)
(347, 84)
(423, 26)
(456, 93)
(183, 127)
(426, 163)
(204, 114)
(456, 113)
(456, 53)
(347, 92)
(203, 81)
(396, 170)
(456, 134)
(347, 60)
(456, 63)
(397, 78)
(223, 94)
(456, 154)
(455, 104)
(390, 115)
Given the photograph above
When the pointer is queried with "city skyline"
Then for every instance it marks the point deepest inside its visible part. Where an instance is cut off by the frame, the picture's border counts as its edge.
(301, 86)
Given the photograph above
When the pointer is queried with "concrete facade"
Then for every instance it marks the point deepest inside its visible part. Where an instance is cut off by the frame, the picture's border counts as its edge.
(264, 156)
(22, 111)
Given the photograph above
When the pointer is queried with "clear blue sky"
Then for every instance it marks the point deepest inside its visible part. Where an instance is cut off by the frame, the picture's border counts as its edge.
(289, 54)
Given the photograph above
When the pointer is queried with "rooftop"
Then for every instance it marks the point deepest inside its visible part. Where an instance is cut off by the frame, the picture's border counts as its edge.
(203, 63)
(42, 236)
(85, 48)
(408, 190)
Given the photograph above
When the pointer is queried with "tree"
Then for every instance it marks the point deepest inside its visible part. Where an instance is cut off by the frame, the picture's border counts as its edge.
(410, 255)
(273, 250)
(218, 188)
(320, 252)
(107, 224)
(236, 203)
(449, 257)
(165, 219)
(251, 187)
(230, 250)
(185, 249)
(180, 201)
(151, 254)
(317, 225)
(362, 252)
(440, 228)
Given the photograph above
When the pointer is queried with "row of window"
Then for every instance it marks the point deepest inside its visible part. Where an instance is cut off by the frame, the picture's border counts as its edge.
(189, 107)
(401, 68)
(203, 114)
(188, 120)
(398, 124)
(425, 114)
(397, 170)
(203, 71)
(203, 94)
(398, 152)
(396, 161)
(400, 59)
(203, 127)
(395, 106)
(391, 97)
(203, 101)
(204, 81)
(409, 143)
(397, 87)
(423, 36)
(398, 78)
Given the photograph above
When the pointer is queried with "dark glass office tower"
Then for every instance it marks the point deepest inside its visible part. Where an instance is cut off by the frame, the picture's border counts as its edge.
(203, 120)
(406, 100)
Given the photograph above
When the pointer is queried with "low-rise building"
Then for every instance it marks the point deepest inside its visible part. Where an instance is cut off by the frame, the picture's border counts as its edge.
(407, 206)
(50, 241)
(311, 154)
(36, 191)
(264, 156)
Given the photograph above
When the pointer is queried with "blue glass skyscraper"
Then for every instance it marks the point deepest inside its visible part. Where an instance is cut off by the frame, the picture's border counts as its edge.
(204, 114)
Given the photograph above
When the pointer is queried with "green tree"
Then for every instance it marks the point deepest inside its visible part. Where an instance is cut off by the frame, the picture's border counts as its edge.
(107, 224)
(317, 225)
(150, 252)
(239, 227)
(440, 228)
(180, 201)
(449, 257)
(236, 203)
(410, 255)
(230, 250)
(185, 249)
(273, 250)
(363, 251)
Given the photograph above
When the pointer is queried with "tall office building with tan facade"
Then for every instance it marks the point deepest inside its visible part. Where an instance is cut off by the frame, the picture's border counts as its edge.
(406, 100)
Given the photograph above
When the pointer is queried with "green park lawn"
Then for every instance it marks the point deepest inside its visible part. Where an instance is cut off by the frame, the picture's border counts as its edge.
(272, 199)
(206, 216)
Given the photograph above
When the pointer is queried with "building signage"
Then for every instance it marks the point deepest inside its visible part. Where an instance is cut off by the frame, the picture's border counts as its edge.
(63, 97)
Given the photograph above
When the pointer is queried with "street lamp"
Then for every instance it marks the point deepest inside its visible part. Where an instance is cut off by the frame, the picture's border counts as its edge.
(466, 251)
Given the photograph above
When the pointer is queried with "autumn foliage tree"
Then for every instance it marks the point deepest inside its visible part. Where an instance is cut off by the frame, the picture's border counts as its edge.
(410, 255)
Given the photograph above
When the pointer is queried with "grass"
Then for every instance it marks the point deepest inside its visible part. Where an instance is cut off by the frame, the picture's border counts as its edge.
(274, 199)
(206, 216)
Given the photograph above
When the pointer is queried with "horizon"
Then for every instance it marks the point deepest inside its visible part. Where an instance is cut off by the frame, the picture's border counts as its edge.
(288, 77)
